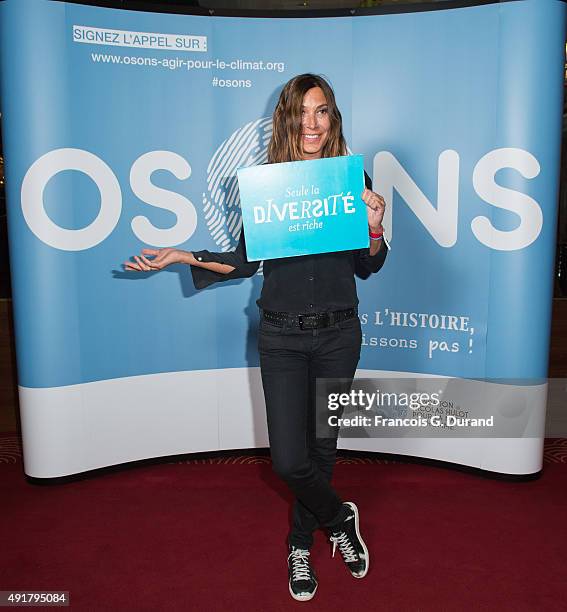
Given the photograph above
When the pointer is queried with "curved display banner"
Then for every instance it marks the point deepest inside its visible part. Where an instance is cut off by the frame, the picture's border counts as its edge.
(124, 129)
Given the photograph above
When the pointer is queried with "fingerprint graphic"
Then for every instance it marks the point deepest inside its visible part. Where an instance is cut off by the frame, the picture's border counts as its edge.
(229, 460)
(10, 448)
(555, 450)
(362, 460)
(247, 146)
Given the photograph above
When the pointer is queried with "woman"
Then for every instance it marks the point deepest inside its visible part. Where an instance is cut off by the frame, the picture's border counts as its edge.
(309, 329)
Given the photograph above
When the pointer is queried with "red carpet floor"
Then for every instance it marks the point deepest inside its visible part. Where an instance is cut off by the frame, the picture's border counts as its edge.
(210, 535)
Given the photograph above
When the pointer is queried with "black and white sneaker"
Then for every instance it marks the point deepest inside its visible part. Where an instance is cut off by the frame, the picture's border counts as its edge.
(302, 579)
(353, 549)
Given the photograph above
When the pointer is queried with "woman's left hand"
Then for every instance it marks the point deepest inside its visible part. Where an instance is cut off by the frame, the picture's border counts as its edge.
(375, 205)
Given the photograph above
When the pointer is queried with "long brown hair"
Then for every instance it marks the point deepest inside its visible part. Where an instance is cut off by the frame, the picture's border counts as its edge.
(285, 144)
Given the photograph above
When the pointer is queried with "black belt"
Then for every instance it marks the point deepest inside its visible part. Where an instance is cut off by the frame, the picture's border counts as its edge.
(314, 320)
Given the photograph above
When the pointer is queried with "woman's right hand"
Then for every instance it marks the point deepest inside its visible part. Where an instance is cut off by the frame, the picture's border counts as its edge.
(161, 258)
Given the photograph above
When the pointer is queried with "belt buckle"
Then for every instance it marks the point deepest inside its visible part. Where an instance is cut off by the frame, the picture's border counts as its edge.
(301, 320)
(316, 318)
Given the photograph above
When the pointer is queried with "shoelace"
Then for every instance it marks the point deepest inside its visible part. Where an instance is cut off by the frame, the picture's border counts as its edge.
(300, 569)
(345, 546)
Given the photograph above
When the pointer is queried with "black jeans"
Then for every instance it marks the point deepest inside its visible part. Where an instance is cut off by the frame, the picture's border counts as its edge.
(291, 360)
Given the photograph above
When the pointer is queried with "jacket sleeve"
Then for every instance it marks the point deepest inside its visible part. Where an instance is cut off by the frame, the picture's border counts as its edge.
(366, 264)
(237, 259)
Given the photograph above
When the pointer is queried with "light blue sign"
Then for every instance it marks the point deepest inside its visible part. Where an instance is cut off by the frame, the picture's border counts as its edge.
(303, 207)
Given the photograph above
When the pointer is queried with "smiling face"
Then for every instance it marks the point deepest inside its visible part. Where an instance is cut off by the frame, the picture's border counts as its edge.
(315, 123)
(306, 123)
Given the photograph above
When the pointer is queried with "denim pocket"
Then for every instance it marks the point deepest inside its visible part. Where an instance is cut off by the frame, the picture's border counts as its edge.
(270, 328)
(349, 324)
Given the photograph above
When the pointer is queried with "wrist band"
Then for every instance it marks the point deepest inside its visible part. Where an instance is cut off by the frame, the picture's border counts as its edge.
(379, 237)
(376, 236)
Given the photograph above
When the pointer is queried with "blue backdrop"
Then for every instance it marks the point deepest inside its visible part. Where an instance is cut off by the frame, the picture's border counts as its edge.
(110, 148)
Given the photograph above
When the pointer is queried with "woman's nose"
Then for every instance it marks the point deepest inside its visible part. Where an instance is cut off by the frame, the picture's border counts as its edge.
(310, 120)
